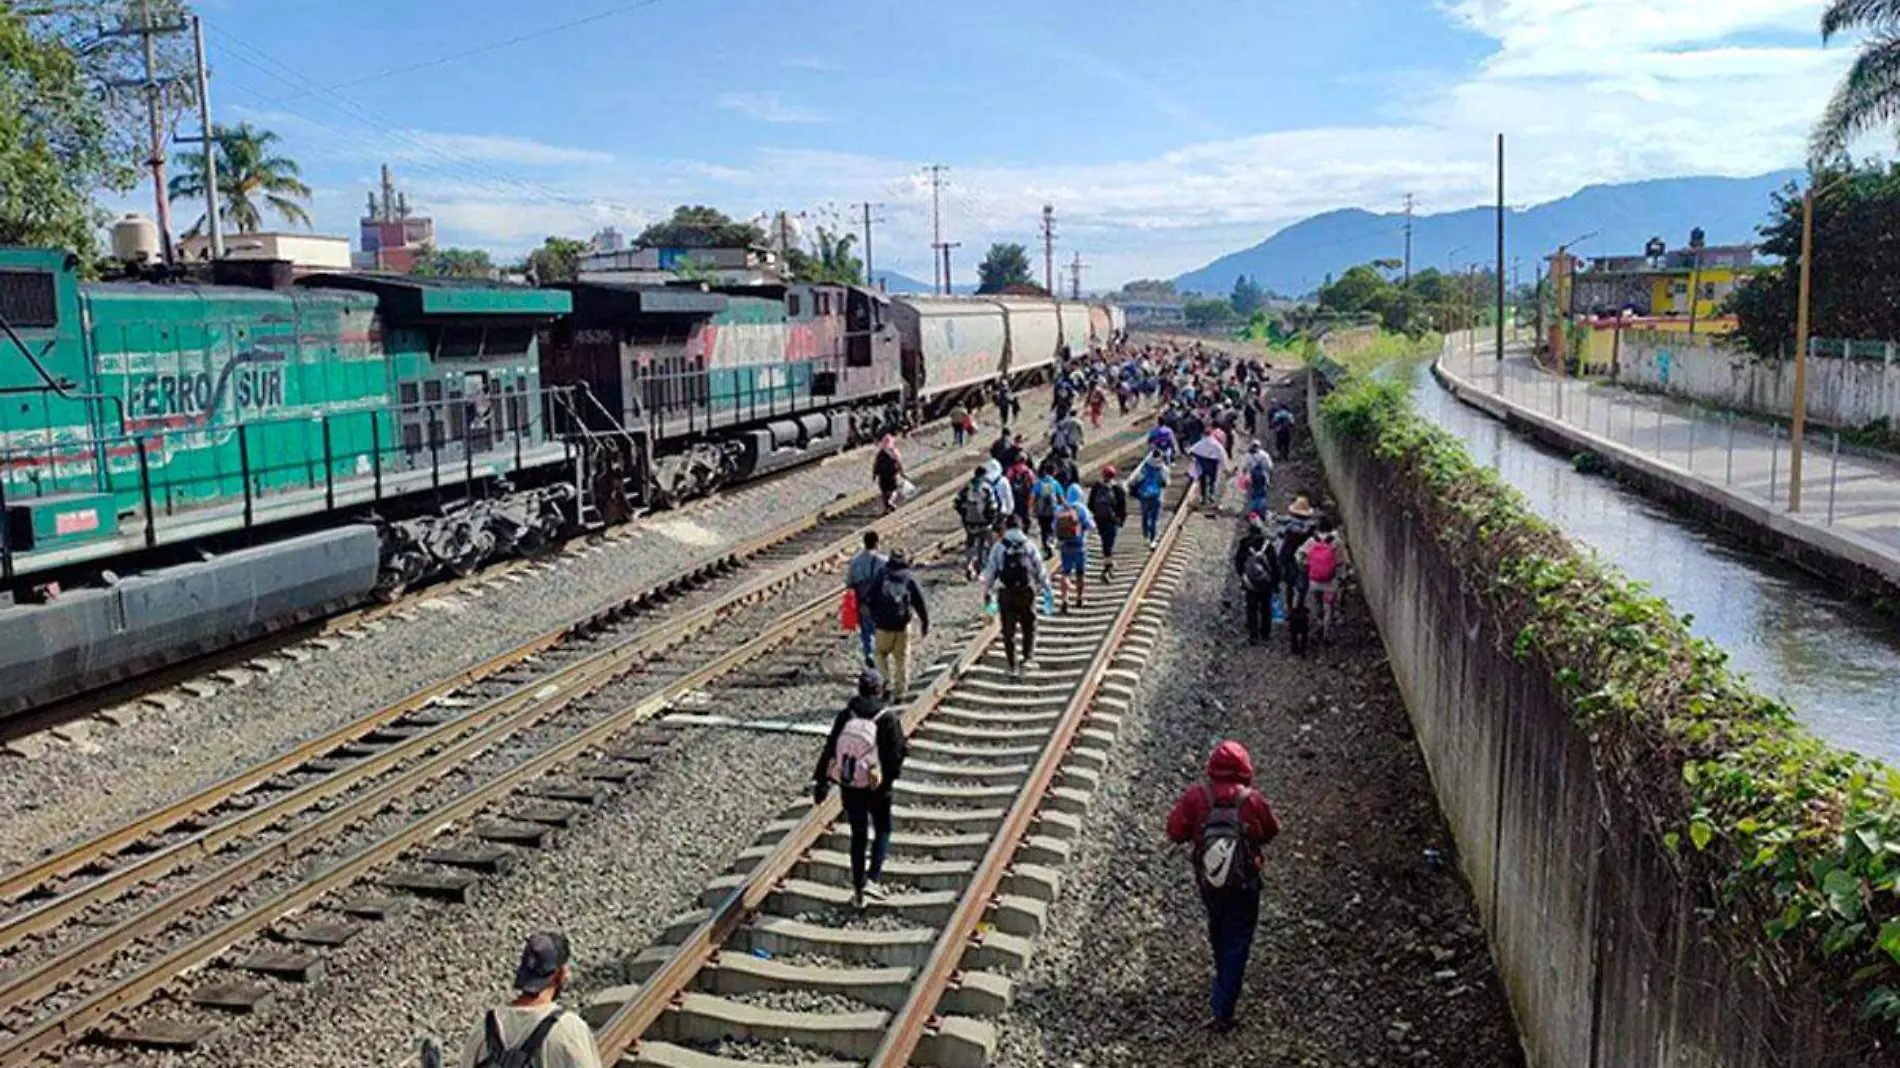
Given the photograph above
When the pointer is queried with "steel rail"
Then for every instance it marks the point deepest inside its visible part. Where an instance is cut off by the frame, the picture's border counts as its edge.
(621, 1033)
(940, 969)
(72, 1022)
(18, 883)
(496, 723)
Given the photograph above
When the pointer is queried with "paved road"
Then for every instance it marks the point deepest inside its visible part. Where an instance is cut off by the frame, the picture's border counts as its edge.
(1851, 494)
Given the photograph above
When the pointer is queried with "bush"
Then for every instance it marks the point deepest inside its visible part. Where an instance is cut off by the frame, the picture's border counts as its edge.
(1798, 841)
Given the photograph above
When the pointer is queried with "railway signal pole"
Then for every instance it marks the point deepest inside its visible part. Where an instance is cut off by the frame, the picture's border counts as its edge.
(1049, 248)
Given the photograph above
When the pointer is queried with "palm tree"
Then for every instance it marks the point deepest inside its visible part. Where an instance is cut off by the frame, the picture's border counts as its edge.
(248, 172)
(1869, 94)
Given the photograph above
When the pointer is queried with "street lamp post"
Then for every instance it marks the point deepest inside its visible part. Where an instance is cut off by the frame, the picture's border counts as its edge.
(1798, 425)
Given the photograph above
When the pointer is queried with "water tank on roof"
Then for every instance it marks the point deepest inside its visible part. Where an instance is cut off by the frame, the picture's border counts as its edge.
(135, 239)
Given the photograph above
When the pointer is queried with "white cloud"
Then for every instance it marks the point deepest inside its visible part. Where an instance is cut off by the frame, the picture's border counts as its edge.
(768, 107)
(812, 63)
(1585, 90)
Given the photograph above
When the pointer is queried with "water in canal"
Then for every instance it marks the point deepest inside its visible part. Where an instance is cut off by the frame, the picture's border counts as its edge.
(1836, 663)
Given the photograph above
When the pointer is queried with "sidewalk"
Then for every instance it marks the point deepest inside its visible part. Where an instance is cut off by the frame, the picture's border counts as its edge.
(1850, 504)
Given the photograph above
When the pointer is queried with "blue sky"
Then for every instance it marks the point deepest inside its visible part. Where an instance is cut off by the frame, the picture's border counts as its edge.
(1165, 134)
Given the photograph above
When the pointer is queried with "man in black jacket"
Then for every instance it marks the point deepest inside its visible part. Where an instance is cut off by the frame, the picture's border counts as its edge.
(865, 787)
(1257, 563)
(894, 600)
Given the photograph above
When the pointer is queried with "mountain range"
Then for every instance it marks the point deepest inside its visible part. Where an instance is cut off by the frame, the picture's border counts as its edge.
(1618, 219)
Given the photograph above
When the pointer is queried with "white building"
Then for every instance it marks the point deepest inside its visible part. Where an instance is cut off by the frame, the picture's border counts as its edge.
(306, 252)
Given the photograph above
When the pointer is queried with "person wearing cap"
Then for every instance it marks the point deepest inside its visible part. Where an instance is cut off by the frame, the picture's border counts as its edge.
(1294, 532)
(864, 805)
(534, 1022)
(895, 599)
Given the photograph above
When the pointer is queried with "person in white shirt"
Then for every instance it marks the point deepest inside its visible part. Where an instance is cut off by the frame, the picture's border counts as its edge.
(534, 1022)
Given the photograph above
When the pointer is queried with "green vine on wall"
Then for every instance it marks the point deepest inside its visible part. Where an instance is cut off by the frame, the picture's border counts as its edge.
(1799, 840)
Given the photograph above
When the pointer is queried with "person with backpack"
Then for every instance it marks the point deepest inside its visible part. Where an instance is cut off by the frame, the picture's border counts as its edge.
(1226, 823)
(1257, 562)
(1001, 449)
(1015, 576)
(863, 755)
(998, 484)
(1066, 440)
(895, 599)
(859, 574)
(1161, 442)
(1072, 526)
(1294, 532)
(533, 1029)
(888, 470)
(976, 507)
(1259, 475)
(1048, 501)
(1280, 419)
(1022, 490)
(1149, 483)
(1005, 403)
(1322, 557)
(959, 417)
(1108, 506)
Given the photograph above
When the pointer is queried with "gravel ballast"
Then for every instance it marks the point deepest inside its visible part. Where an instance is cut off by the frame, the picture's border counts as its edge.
(611, 883)
(71, 791)
(1368, 951)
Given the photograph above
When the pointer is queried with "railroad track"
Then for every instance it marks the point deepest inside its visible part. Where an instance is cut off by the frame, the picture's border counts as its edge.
(214, 672)
(103, 926)
(990, 804)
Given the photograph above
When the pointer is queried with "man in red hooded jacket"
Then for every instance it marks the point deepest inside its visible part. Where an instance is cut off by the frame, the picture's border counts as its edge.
(1221, 817)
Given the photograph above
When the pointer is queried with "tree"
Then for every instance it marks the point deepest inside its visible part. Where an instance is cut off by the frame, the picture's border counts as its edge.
(1868, 96)
(1207, 313)
(432, 262)
(830, 263)
(1856, 252)
(1148, 289)
(1360, 289)
(1004, 265)
(249, 172)
(557, 260)
(698, 226)
(55, 143)
(1247, 296)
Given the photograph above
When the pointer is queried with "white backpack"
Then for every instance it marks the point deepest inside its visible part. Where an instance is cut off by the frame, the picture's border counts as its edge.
(855, 763)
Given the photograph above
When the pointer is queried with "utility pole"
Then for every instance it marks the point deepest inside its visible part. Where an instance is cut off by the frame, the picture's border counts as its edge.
(936, 226)
(207, 141)
(1075, 277)
(946, 246)
(1410, 203)
(1499, 325)
(1695, 274)
(1797, 429)
(870, 278)
(1049, 248)
(151, 87)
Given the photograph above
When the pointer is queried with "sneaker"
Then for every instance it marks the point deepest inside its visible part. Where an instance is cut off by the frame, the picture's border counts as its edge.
(1028, 665)
(875, 891)
(857, 899)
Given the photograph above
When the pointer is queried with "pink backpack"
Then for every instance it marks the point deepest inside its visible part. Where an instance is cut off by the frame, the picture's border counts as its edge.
(1322, 560)
(854, 763)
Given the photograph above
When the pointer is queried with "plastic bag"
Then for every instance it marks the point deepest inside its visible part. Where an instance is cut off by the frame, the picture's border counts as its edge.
(1048, 601)
(848, 610)
(906, 489)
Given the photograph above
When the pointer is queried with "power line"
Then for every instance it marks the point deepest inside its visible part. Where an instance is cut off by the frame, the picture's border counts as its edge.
(478, 50)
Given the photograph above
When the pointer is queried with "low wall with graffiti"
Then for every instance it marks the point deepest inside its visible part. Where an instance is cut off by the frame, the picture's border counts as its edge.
(1849, 385)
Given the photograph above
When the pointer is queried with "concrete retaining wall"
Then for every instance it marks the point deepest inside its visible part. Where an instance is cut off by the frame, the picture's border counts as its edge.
(1604, 945)
(1841, 392)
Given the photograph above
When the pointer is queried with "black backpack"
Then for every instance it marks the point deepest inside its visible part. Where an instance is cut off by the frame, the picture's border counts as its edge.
(976, 504)
(890, 601)
(1223, 863)
(1014, 572)
(1257, 574)
(497, 1055)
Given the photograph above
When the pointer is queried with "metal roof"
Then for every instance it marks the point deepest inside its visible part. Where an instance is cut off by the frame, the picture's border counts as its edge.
(410, 297)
